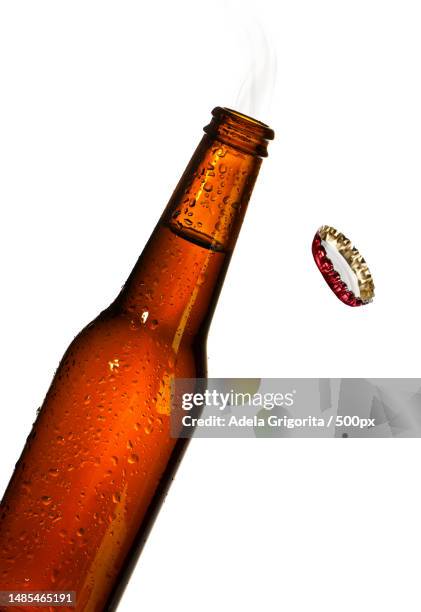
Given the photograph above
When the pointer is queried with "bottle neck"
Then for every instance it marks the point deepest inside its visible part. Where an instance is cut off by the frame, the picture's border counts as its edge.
(176, 281)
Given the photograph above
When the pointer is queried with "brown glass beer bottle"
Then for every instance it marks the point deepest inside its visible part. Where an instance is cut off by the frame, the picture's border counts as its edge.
(99, 459)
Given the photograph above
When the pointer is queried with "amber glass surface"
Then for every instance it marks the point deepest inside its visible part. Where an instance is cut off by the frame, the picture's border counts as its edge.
(100, 457)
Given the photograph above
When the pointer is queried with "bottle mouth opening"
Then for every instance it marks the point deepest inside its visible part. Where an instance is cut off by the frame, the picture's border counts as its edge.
(245, 121)
(240, 131)
(245, 117)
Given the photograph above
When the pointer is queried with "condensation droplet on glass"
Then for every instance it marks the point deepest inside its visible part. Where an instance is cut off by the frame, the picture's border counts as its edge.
(114, 364)
(201, 279)
(54, 575)
(56, 518)
(26, 487)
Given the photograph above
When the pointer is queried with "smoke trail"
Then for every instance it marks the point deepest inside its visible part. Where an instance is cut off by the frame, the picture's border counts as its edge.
(255, 95)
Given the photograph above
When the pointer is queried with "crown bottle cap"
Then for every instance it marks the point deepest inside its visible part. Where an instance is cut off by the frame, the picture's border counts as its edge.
(342, 267)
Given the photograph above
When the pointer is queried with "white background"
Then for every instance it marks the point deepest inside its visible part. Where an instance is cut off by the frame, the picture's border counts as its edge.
(101, 106)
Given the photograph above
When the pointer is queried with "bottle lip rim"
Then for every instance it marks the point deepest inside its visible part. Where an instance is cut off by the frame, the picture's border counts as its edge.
(245, 120)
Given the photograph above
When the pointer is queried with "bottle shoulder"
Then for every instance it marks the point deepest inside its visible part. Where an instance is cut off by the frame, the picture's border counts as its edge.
(117, 343)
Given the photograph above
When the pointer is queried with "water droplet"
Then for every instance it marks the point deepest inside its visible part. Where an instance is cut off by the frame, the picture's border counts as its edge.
(116, 497)
(114, 364)
(222, 168)
(80, 532)
(133, 458)
(201, 279)
(208, 187)
(54, 575)
(46, 500)
(57, 518)
(114, 460)
(153, 324)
